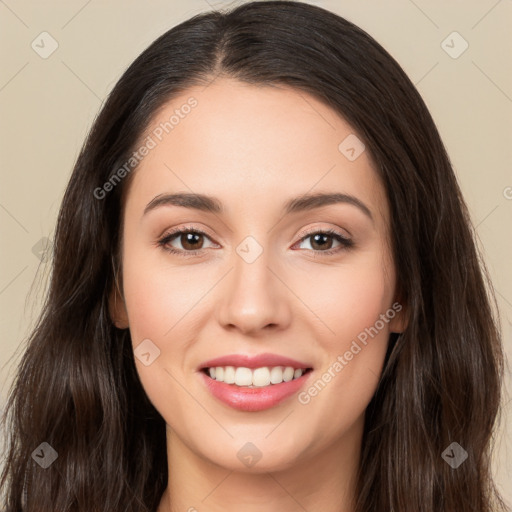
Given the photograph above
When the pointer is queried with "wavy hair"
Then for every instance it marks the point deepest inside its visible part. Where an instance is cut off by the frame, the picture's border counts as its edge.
(77, 388)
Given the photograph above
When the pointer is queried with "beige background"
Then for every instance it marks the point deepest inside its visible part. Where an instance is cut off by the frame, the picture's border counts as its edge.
(49, 104)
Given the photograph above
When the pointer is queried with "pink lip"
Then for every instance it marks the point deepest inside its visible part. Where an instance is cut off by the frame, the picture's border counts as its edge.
(253, 399)
(258, 361)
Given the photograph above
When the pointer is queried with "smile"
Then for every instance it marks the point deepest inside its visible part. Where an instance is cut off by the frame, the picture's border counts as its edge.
(247, 397)
(257, 377)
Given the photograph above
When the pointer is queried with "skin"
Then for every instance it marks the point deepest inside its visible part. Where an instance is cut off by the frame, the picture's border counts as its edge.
(254, 148)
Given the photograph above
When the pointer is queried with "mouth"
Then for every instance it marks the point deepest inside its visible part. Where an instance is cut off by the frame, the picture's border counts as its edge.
(251, 378)
(253, 390)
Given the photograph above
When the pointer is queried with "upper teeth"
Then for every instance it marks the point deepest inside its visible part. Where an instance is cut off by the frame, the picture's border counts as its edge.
(256, 377)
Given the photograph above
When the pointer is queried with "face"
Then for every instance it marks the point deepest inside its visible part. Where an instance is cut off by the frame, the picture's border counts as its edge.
(311, 281)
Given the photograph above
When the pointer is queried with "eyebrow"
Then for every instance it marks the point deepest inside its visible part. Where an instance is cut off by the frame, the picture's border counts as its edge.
(211, 204)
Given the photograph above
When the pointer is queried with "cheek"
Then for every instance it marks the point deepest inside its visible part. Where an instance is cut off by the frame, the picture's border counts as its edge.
(363, 297)
(348, 298)
(158, 295)
(157, 301)
(351, 304)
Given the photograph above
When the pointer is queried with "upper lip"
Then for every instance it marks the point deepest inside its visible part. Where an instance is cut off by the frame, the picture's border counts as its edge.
(256, 361)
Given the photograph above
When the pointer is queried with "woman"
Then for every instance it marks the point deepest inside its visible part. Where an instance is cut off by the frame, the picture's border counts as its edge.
(265, 290)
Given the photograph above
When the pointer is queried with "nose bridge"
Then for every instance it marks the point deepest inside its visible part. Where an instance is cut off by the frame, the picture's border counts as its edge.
(253, 298)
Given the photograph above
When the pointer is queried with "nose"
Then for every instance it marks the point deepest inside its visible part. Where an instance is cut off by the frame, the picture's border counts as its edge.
(254, 298)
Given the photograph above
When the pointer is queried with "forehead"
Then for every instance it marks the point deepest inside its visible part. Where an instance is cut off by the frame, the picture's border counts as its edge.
(252, 146)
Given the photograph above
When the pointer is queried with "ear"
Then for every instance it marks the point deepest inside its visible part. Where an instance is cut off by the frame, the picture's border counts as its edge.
(117, 308)
(400, 321)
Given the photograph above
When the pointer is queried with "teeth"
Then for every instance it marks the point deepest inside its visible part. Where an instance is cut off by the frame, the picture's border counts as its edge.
(244, 377)
(255, 378)
(229, 375)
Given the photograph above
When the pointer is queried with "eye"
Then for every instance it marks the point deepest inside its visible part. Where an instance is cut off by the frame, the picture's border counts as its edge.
(322, 241)
(191, 241)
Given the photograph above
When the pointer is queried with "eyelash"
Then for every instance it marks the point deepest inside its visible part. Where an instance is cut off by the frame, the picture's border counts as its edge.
(346, 243)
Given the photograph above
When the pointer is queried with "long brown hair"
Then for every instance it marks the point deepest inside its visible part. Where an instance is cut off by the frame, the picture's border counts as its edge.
(77, 388)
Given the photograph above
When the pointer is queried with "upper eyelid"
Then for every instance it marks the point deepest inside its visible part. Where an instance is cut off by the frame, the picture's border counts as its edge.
(305, 234)
(312, 231)
(178, 231)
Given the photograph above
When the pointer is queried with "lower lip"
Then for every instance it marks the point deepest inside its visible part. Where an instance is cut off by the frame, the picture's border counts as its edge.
(253, 399)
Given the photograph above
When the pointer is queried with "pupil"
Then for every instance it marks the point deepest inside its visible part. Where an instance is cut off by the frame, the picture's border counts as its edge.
(191, 238)
(318, 237)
